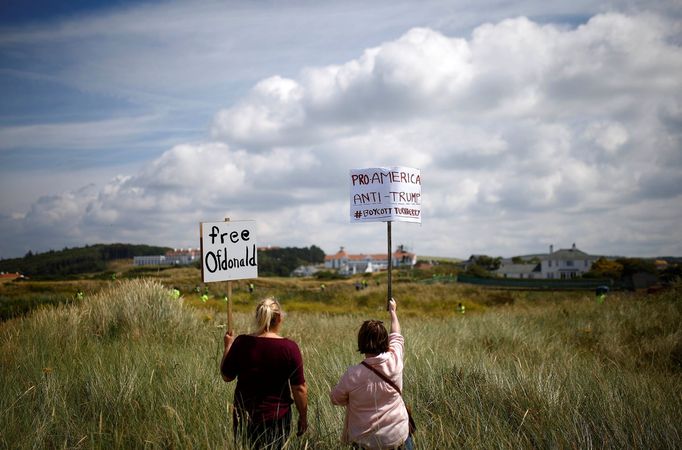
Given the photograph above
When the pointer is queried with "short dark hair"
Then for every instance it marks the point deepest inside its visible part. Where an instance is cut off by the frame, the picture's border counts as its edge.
(373, 337)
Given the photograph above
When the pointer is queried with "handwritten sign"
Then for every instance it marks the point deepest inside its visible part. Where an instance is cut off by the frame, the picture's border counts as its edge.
(228, 250)
(383, 194)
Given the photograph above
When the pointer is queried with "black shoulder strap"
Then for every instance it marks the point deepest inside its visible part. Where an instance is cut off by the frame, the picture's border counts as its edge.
(382, 376)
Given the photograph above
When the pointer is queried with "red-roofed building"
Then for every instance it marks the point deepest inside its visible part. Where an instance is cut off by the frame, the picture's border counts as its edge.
(365, 263)
(9, 276)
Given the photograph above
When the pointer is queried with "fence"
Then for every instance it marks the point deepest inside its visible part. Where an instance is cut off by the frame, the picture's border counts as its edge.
(513, 283)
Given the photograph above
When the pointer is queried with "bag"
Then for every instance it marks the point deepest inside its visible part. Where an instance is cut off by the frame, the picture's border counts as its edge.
(412, 425)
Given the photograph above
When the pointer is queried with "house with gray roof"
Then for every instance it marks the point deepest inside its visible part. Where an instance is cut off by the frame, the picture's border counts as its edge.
(558, 265)
(519, 271)
(566, 263)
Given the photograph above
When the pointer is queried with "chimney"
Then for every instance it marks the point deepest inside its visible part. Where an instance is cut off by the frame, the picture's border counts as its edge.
(573, 248)
(551, 249)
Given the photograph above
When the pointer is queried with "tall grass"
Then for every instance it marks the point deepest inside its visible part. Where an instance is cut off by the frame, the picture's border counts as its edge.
(131, 367)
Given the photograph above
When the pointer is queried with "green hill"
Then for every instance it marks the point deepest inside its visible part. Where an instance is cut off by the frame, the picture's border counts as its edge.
(77, 260)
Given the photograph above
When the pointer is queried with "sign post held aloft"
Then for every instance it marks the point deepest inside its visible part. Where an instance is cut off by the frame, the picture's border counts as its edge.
(386, 194)
(228, 252)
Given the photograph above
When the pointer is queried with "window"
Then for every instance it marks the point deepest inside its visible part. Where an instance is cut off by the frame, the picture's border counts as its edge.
(549, 263)
(569, 263)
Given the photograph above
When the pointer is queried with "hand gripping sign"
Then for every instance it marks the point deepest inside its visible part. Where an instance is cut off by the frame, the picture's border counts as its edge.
(385, 194)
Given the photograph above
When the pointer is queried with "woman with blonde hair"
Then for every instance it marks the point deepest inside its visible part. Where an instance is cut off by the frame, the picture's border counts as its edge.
(269, 372)
(376, 416)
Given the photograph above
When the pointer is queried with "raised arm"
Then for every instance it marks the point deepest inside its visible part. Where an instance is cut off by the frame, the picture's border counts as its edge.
(395, 324)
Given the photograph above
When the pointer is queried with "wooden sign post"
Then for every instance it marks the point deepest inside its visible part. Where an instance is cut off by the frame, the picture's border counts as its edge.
(386, 194)
(390, 264)
(228, 252)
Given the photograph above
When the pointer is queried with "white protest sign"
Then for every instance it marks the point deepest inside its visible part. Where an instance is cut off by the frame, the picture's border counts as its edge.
(228, 250)
(385, 194)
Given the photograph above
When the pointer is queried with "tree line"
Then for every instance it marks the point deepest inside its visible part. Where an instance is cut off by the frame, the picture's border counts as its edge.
(77, 260)
(282, 261)
(617, 269)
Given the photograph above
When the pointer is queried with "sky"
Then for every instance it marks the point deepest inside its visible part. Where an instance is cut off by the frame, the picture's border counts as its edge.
(533, 123)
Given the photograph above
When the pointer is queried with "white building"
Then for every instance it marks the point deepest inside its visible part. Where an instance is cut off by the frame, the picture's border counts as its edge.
(560, 265)
(566, 263)
(177, 257)
(305, 271)
(366, 263)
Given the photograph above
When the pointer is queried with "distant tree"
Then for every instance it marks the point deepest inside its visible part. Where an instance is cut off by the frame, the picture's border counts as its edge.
(489, 263)
(478, 271)
(632, 266)
(282, 261)
(671, 273)
(316, 254)
(71, 261)
(605, 268)
(517, 260)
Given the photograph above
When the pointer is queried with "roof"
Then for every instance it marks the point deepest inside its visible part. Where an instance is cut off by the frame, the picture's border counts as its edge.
(180, 252)
(367, 257)
(7, 277)
(400, 253)
(518, 268)
(338, 255)
(566, 254)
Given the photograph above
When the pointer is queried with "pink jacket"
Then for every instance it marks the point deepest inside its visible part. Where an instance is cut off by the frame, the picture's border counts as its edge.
(375, 413)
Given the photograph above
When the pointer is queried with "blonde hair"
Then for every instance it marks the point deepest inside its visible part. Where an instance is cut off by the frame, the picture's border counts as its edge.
(268, 312)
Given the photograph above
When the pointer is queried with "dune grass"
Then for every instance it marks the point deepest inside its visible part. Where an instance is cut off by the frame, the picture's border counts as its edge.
(129, 367)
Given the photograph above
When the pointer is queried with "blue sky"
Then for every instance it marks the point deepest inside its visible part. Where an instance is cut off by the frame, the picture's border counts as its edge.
(533, 123)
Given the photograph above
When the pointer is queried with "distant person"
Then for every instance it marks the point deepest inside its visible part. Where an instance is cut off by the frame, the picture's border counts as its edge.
(600, 293)
(358, 285)
(204, 298)
(323, 287)
(79, 295)
(376, 417)
(175, 293)
(269, 372)
(461, 308)
(251, 288)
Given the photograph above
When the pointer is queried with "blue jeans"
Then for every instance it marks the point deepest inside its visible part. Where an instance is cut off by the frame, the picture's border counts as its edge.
(407, 445)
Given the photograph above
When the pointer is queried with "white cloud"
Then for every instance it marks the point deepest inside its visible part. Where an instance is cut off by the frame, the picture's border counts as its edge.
(527, 134)
(608, 136)
(76, 135)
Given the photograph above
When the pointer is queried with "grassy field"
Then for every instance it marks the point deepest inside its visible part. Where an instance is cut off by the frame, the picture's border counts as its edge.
(129, 367)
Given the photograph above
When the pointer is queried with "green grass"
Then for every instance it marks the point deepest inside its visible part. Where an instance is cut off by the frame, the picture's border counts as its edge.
(128, 367)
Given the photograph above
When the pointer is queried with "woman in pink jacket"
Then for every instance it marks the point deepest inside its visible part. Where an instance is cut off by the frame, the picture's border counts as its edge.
(376, 417)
